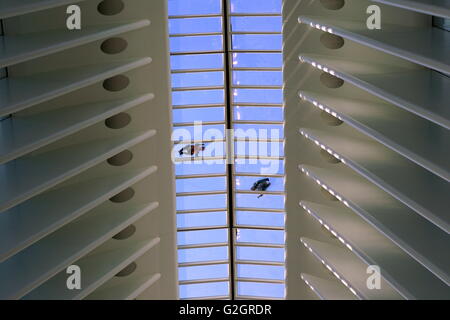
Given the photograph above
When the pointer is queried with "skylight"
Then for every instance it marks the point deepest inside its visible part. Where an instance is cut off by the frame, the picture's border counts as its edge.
(226, 72)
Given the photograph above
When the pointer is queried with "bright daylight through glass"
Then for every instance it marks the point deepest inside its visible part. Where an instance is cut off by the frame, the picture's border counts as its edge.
(228, 147)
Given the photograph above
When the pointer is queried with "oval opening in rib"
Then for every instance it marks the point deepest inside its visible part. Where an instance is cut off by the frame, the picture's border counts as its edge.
(126, 233)
(119, 121)
(329, 157)
(121, 159)
(114, 45)
(110, 7)
(129, 269)
(333, 4)
(330, 81)
(116, 83)
(330, 120)
(332, 41)
(123, 196)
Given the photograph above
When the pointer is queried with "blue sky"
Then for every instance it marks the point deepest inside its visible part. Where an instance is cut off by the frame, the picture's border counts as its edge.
(198, 80)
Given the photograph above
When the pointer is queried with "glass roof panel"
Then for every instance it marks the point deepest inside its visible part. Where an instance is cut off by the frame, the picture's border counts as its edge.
(200, 290)
(194, 7)
(261, 271)
(197, 255)
(260, 218)
(256, 6)
(214, 271)
(202, 219)
(227, 73)
(197, 61)
(195, 25)
(198, 79)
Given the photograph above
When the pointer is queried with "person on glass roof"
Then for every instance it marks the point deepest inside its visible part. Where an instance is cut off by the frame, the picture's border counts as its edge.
(192, 150)
(261, 185)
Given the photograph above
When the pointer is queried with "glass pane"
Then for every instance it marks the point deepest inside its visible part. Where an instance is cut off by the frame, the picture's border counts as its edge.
(202, 219)
(259, 218)
(215, 201)
(267, 201)
(257, 60)
(197, 61)
(197, 79)
(196, 43)
(198, 290)
(260, 254)
(256, 24)
(197, 7)
(259, 114)
(245, 183)
(202, 236)
(256, 41)
(262, 167)
(260, 236)
(257, 289)
(258, 96)
(260, 149)
(258, 78)
(195, 25)
(199, 132)
(200, 167)
(203, 254)
(201, 184)
(256, 6)
(260, 271)
(272, 131)
(214, 271)
(198, 114)
(198, 97)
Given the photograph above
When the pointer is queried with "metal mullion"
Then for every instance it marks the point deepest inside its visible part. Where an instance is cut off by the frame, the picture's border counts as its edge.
(194, 159)
(227, 45)
(235, 14)
(262, 87)
(208, 298)
(203, 245)
(202, 263)
(197, 34)
(261, 280)
(202, 228)
(254, 51)
(248, 157)
(176, 143)
(256, 32)
(211, 15)
(259, 175)
(247, 104)
(257, 69)
(190, 124)
(193, 106)
(181, 53)
(259, 192)
(272, 228)
(210, 280)
(258, 140)
(197, 88)
(255, 298)
(258, 122)
(200, 210)
(260, 209)
(260, 263)
(200, 193)
(197, 70)
(215, 175)
(260, 245)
